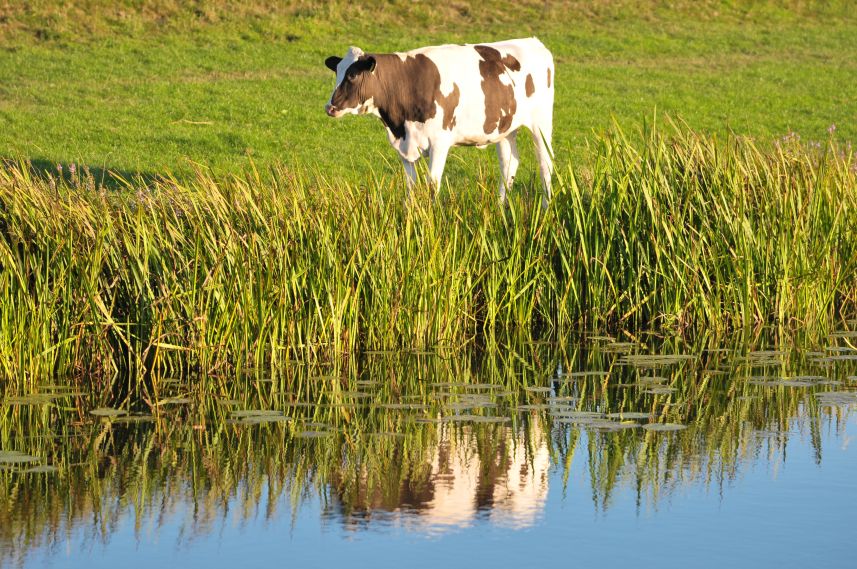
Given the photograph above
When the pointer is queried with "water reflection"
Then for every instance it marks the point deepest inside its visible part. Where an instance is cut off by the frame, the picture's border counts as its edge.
(424, 443)
(506, 483)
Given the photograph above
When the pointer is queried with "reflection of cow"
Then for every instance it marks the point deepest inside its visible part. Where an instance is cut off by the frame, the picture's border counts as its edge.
(433, 98)
(505, 477)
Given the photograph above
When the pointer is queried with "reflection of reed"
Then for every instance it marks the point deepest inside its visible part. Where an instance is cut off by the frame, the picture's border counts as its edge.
(379, 464)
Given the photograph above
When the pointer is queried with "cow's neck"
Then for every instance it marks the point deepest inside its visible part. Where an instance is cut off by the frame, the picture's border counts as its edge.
(403, 90)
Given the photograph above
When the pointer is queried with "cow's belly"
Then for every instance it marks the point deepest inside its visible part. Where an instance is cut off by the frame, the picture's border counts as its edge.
(470, 130)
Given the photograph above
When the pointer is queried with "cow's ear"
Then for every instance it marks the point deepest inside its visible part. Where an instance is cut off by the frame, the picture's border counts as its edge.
(332, 61)
(371, 61)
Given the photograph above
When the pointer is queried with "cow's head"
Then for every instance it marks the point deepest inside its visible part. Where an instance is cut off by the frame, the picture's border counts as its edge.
(354, 75)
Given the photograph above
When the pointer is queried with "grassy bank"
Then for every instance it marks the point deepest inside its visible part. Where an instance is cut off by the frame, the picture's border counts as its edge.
(149, 87)
(678, 230)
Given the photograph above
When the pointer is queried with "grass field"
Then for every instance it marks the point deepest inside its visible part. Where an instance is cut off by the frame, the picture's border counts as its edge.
(149, 89)
(742, 215)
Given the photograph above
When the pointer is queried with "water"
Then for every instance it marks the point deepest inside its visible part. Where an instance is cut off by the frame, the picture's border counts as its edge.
(645, 453)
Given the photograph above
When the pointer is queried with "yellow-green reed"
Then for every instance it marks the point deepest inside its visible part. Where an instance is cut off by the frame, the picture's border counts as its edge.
(668, 227)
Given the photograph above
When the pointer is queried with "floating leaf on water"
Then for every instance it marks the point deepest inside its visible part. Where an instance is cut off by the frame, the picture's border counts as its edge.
(536, 389)
(659, 360)
(836, 358)
(653, 379)
(585, 421)
(577, 415)
(355, 394)
(33, 399)
(664, 427)
(619, 348)
(579, 374)
(811, 378)
(174, 401)
(313, 434)
(243, 413)
(42, 469)
(261, 419)
(16, 457)
(629, 415)
(134, 419)
(844, 334)
(464, 406)
(428, 420)
(473, 419)
(404, 406)
(607, 425)
(325, 377)
(659, 390)
(107, 412)
(837, 398)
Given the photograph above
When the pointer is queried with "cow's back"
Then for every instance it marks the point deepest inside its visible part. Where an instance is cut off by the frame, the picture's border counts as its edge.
(500, 87)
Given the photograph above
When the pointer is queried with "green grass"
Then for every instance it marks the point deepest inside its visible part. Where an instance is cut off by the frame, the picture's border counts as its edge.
(116, 86)
(668, 228)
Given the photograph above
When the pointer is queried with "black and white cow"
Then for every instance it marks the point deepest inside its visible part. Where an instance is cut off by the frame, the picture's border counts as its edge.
(433, 98)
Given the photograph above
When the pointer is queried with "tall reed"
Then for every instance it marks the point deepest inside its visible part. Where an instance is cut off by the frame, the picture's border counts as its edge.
(668, 228)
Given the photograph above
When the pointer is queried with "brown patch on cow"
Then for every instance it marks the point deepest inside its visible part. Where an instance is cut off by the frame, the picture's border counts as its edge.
(512, 63)
(549, 76)
(529, 86)
(500, 103)
(448, 103)
(402, 90)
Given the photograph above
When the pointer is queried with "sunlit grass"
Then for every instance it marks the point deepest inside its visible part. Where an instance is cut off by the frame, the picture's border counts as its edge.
(678, 230)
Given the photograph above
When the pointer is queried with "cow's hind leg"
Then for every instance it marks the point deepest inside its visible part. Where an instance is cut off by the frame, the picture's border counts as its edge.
(437, 162)
(507, 155)
(544, 153)
(410, 172)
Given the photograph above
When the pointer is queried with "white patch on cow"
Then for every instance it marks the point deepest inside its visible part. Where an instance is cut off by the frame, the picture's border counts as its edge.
(368, 107)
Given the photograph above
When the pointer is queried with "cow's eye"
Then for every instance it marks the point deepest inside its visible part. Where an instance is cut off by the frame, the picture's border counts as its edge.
(350, 76)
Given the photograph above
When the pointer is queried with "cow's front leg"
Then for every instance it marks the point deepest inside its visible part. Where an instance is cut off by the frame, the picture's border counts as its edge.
(437, 161)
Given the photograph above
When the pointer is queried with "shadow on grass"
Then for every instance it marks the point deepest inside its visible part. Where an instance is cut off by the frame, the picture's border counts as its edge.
(74, 174)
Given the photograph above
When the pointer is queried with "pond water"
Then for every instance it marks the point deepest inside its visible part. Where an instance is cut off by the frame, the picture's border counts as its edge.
(637, 450)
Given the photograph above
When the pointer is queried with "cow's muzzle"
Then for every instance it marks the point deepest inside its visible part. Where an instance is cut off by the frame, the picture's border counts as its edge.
(330, 110)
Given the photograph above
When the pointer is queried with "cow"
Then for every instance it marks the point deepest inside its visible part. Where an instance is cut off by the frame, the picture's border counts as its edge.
(433, 98)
